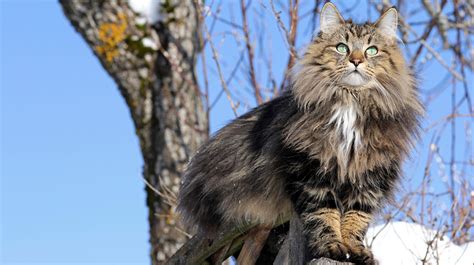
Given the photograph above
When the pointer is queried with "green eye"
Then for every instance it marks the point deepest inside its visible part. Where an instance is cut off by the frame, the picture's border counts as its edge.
(371, 51)
(342, 48)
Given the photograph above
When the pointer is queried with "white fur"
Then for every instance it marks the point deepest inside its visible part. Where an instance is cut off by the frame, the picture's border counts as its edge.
(330, 18)
(345, 119)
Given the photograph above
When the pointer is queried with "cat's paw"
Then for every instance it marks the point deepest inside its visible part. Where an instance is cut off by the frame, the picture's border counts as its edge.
(361, 255)
(335, 250)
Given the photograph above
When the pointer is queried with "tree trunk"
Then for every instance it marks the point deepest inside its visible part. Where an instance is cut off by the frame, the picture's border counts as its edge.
(153, 66)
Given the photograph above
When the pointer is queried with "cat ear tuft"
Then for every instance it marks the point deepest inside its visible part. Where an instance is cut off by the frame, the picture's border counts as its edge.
(330, 18)
(388, 22)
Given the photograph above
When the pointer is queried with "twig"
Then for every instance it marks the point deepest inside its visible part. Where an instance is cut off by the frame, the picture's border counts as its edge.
(250, 53)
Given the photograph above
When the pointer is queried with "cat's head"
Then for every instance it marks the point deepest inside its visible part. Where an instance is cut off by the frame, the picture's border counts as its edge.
(349, 58)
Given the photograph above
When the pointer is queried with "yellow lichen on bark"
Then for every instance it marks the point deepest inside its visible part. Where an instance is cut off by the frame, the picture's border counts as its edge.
(110, 36)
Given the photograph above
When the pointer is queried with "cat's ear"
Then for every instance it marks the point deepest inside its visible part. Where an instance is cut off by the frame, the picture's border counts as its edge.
(388, 22)
(330, 18)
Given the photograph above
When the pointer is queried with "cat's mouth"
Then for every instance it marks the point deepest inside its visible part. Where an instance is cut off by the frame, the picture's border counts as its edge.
(355, 78)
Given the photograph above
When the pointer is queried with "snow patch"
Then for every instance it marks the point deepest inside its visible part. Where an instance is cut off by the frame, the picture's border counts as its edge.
(150, 9)
(408, 243)
(147, 42)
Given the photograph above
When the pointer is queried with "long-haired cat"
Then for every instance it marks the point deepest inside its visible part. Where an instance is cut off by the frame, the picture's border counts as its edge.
(330, 148)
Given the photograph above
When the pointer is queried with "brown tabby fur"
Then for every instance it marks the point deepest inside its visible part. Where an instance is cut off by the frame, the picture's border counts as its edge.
(326, 149)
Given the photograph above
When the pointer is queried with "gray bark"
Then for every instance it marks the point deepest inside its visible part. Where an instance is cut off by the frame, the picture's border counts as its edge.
(160, 88)
(293, 249)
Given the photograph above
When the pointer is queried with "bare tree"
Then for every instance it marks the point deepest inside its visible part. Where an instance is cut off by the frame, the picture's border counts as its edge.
(153, 66)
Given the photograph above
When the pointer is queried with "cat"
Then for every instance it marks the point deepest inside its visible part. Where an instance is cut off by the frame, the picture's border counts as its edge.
(329, 149)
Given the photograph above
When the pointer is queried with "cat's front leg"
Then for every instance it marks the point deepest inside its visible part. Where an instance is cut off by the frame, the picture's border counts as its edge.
(360, 201)
(359, 205)
(354, 224)
(321, 218)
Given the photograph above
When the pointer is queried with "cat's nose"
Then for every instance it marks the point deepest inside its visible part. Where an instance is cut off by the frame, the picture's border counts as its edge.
(355, 62)
(356, 58)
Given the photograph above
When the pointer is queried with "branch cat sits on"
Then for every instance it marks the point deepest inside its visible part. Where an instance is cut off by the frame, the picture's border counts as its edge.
(329, 149)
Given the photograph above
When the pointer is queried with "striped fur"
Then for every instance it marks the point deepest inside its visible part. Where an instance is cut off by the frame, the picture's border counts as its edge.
(329, 152)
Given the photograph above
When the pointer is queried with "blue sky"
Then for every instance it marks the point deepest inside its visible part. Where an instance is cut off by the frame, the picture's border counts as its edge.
(71, 188)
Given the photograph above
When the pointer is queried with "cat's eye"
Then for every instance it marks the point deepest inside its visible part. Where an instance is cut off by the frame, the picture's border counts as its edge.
(342, 48)
(371, 51)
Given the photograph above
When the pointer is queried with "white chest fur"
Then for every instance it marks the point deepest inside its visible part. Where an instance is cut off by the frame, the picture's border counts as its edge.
(344, 118)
